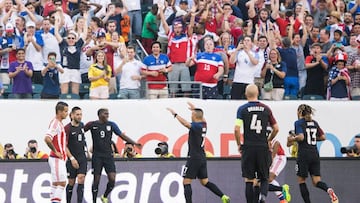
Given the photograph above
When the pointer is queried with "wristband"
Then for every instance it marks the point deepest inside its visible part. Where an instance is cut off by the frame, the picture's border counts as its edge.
(72, 158)
(175, 115)
(225, 76)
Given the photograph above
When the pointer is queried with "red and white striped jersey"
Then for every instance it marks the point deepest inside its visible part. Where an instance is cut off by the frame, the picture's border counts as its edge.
(179, 47)
(280, 150)
(57, 134)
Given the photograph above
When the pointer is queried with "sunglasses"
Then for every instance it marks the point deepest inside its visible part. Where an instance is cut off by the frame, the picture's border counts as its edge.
(71, 37)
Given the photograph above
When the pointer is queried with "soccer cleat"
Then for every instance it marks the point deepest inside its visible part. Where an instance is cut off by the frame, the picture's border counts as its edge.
(225, 199)
(333, 197)
(104, 199)
(286, 192)
(283, 201)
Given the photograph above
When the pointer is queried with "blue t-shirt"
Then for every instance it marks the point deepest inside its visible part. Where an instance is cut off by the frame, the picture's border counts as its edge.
(289, 56)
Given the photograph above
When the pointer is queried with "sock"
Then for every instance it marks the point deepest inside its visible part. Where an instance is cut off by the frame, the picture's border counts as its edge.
(256, 192)
(109, 188)
(69, 190)
(80, 192)
(58, 193)
(188, 193)
(322, 186)
(264, 187)
(52, 193)
(275, 186)
(304, 192)
(94, 192)
(211, 186)
(249, 192)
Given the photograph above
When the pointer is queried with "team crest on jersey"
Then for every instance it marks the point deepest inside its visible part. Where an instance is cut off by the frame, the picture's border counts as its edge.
(108, 127)
(162, 61)
(213, 58)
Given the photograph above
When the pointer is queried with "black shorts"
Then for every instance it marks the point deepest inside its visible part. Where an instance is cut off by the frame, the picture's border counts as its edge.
(255, 162)
(195, 168)
(73, 172)
(307, 163)
(99, 162)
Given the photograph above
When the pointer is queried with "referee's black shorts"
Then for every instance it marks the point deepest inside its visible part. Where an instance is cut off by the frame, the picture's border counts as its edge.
(73, 172)
(255, 160)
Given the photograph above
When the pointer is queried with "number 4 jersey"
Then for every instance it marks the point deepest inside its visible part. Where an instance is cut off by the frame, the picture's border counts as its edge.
(253, 119)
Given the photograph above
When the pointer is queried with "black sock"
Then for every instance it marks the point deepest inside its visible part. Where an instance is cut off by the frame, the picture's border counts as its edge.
(249, 192)
(80, 192)
(264, 187)
(304, 192)
(69, 189)
(274, 188)
(94, 192)
(211, 186)
(188, 193)
(256, 193)
(109, 188)
(322, 186)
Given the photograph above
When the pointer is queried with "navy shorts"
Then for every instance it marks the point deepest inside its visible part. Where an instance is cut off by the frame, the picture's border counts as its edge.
(99, 162)
(195, 168)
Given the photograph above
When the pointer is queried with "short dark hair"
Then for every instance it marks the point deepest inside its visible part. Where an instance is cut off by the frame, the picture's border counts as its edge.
(7, 145)
(130, 47)
(20, 49)
(32, 141)
(75, 108)
(100, 111)
(156, 42)
(52, 54)
(357, 136)
(60, 106)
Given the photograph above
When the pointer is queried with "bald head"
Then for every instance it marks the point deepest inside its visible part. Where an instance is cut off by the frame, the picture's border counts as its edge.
(252, 92)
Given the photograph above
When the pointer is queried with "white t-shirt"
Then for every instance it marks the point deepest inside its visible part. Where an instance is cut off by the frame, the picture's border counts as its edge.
(50, 45)
(34, 56)
(86, 61)
(244, 70)
(128, 70)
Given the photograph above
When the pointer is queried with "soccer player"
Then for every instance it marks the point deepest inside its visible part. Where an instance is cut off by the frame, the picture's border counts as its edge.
(77, 163)
(55, 139)
(101, 132)
(196, 163)
(251, 137)
(307, 133)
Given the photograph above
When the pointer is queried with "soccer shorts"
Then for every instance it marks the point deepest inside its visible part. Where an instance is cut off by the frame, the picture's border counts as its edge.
(195, 168)
(278, 164)
(58, 169)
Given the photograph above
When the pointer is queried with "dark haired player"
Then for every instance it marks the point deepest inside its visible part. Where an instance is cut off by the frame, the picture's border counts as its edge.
(101, 132)
(307, 133)
(196, 163)
(251, 124)
(76, 165)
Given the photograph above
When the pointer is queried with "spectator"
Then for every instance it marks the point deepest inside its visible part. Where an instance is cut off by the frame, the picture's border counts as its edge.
(353, 65)
(86, 61)
(29, 13)
(263, 53)
(111, 28)
(246, 61)
(50, 72)
(61, 10)
(134, 11)
(352, 48)
(114, 13)
(104, 4)
(9, 44)
(325, 40)
(125, 27)
(162, 36)
(9, 12)
(33, 49)
(96, 26)
(274, 72)
(21, 71)
(130, 70)
(33, 152)
(209, 68)
(50, 42)
(130, 152)
(149, 29)
(99, 76)
(319, 9)
(70, 58)
(157, 65)
(9, 152)
(85, 8)
(338, 87)
(316, 66)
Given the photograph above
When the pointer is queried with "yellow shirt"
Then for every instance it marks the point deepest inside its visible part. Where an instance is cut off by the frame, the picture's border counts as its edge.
(95, 71)
(108, 38)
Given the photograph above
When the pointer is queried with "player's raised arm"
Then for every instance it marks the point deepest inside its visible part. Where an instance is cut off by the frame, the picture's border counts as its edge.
(179, 118)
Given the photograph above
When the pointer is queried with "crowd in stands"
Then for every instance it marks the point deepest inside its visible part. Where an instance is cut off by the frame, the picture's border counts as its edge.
(289, 48)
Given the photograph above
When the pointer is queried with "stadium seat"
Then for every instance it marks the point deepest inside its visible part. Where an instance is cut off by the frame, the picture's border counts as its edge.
(7, 89)
(113, 96)
(355, 98)
(37, 88)
(1, 97)
(11, 96)
(290, 97)
(37, 96)
(86, 96)
(69, 96)
(312, 97)
(84, 88)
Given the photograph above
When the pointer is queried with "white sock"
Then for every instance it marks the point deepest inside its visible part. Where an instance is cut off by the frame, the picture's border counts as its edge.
(278, 193)
(58, 193)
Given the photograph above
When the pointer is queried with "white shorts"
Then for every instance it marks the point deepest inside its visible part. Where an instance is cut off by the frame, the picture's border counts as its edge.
(278, 164)
(58, 170)
(101, 92)
(70, 75)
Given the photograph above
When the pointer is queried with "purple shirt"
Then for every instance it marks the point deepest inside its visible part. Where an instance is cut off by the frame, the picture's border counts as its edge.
(21, 82)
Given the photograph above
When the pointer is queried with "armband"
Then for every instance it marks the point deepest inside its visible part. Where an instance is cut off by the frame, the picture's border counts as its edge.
(72, 158)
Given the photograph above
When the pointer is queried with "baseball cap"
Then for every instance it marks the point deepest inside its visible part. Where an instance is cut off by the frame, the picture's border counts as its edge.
(183, 2)
(180, 13)
(30, 24)
(9, 27)
(316, 44)
(100, 34)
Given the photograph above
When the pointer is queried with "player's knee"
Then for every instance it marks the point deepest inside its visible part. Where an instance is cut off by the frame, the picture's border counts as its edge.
(81, 178)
